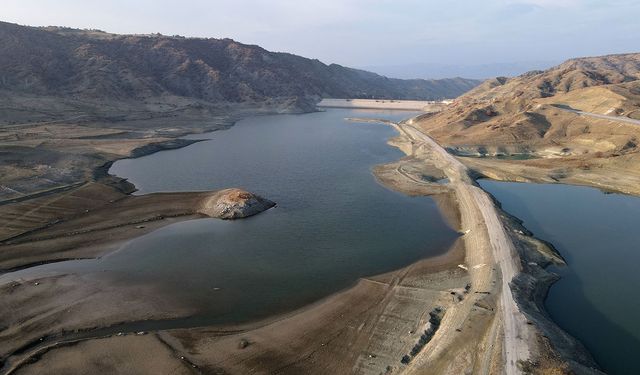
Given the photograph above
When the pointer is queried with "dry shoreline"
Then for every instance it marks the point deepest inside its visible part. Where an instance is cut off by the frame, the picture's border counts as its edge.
(368, 327)
(83, 244)
(551, 348)
(442, 263)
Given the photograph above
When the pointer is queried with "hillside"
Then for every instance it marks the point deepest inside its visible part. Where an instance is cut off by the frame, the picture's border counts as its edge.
(520, 110)
(571, 75)
(71, 101)
(526, 117)
(94, 65)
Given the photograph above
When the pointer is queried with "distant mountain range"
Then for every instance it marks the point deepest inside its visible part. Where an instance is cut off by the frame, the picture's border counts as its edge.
(95, 65)
(476, 71)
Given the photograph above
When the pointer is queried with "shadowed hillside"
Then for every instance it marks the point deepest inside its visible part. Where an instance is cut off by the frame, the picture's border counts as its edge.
(96, 65)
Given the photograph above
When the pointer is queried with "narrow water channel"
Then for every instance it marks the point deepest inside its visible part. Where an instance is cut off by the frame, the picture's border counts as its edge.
(597, 299)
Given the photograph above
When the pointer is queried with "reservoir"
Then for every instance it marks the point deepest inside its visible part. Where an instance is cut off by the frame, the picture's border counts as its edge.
(597, 298)
(333, 223)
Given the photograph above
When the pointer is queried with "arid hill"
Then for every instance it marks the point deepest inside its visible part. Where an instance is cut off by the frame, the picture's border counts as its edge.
(571, 75)
(519, 111)
(528, 116)
(94, 65)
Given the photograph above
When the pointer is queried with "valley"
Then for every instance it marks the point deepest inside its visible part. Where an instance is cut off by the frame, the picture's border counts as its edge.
(208, 206)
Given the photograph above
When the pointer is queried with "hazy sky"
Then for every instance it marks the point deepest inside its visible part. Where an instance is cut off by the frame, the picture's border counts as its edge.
(371, 32)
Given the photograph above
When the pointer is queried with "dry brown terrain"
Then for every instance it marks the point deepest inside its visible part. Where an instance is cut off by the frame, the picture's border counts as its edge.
(51, 306)
(526, 117)
(104, 224)
(475, 310)
(372, 325)
(366, 329)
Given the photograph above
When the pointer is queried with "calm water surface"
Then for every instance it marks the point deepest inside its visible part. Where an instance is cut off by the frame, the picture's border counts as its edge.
(598, 299)
(333, 222)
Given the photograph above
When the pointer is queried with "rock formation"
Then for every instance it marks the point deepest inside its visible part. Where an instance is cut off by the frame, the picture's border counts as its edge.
(234, 204)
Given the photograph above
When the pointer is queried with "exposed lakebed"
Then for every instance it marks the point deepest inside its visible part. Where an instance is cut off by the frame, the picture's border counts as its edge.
(333, 222)
(598, 234)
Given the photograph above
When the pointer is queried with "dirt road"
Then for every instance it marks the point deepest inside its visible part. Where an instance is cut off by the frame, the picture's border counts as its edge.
(488, 247)
(597, 115)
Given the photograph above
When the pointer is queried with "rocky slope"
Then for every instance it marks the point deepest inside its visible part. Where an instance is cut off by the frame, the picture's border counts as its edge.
(571, 75)
(524, 114)
(526, 122)
(88, 65)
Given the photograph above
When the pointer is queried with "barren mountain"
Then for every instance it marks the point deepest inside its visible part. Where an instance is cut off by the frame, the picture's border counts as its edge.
(530, 117)
(518, 110)
(570, 75)
(90, 65)
(72, 100)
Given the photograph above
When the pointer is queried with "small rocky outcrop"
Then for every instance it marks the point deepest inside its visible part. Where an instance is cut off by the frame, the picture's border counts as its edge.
(232, 204)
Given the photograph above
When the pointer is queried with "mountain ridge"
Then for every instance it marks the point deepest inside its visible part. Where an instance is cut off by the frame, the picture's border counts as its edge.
(93, 64)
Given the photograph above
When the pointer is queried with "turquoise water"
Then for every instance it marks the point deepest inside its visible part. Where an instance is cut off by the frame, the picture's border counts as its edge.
(333, 222)
(597, 299)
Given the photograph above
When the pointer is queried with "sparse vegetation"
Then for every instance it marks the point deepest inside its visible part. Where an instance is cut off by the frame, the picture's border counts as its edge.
(69, 62)
(435, 317)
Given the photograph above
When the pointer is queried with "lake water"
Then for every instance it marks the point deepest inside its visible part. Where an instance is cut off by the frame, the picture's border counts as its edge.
(598, 298)
(333, 222)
